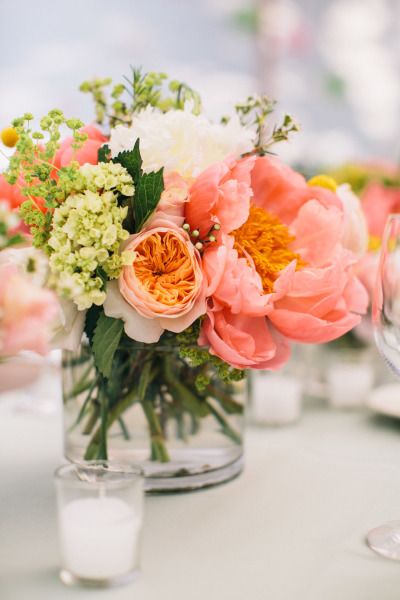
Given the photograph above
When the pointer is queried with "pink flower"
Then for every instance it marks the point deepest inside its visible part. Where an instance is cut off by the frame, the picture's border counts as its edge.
(243, 341)
(86, 154)
(234, 283)
(378, 202)
(171, 206)
(26, 313)
(162, 289)
(284, 274)
(282, 191)
(220, 195)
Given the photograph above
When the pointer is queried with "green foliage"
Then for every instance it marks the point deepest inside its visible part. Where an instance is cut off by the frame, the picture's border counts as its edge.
(135, 93)
(148, 186)
(32, 165)
(96, 89)
(147, 196)
(248, 19)
(91, 318)
(254, 112)
(132, 161)
(106, 339)
(103, 153)
(38, 222)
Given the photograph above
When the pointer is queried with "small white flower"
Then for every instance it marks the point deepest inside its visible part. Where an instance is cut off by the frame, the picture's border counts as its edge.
(32, 262)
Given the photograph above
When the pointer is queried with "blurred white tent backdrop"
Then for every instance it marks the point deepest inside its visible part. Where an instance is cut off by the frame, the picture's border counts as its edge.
(48, 48)
(333, 64)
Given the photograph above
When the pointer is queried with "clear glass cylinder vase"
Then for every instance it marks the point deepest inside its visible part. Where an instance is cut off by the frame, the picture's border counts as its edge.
(182, 424)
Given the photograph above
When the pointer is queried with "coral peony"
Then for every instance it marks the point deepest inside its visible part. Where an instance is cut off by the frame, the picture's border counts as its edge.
(220, 195)
(244, 341)
(27, 313)
(284, 272)
(163, 286)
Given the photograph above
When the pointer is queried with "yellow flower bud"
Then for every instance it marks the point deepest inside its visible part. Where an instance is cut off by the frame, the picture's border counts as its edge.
(323, 181)
(9, 137)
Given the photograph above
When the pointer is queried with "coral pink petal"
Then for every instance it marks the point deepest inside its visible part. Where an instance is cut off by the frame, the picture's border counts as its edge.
(306, 328)
(317, 230)
(243, 342)
(281, 191)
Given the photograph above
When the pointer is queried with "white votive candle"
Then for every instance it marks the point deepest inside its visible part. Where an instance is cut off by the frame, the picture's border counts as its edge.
(99, 537)
(275, 399)
(100, 512)
(349, 383)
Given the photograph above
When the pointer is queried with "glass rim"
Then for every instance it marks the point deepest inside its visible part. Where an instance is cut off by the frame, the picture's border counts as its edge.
(128, 472)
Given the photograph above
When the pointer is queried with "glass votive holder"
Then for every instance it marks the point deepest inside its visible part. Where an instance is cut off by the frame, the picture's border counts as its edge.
(349, 377)
(275, 398)
(100, 515)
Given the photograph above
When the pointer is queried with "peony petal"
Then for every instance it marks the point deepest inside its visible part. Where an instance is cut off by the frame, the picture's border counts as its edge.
(306, 328)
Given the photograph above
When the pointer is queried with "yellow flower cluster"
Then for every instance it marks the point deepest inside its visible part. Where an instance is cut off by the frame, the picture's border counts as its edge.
(87, 234)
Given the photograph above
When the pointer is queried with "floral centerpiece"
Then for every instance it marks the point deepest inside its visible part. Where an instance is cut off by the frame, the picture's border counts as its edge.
(183, 253)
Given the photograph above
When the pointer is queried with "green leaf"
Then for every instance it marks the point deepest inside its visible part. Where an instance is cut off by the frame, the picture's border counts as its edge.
(148, 186)
(103, 154)
(147, 196)
(105, 342)
(91, 319)
(132, 161)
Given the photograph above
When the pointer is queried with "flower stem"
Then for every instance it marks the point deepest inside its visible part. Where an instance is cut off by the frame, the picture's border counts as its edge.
(226, 428)
(113, 414)
(103, 451)
(158, 448)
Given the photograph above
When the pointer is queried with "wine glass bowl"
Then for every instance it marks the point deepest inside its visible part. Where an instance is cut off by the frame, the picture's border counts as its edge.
(385, 539)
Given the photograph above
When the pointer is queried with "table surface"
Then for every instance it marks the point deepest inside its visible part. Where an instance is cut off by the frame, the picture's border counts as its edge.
(291, 527)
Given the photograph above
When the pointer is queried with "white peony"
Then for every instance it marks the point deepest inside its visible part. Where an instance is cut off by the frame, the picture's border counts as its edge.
(180, 141)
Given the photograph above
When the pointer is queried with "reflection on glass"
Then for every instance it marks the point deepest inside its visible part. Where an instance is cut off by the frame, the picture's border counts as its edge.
(385, 540)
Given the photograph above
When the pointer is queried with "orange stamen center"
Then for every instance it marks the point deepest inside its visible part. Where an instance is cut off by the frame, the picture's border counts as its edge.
(164, 268)
(266, 241)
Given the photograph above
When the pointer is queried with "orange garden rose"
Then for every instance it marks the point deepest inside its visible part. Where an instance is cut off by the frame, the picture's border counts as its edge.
(163, 284)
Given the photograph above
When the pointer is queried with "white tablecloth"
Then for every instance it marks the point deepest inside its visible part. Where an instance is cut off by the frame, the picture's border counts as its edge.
(291, 527)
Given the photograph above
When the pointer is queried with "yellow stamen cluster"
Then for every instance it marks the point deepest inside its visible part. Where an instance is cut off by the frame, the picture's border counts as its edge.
(267, 241)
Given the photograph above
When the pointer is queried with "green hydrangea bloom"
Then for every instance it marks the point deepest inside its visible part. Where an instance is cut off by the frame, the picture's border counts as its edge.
(87, 233)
